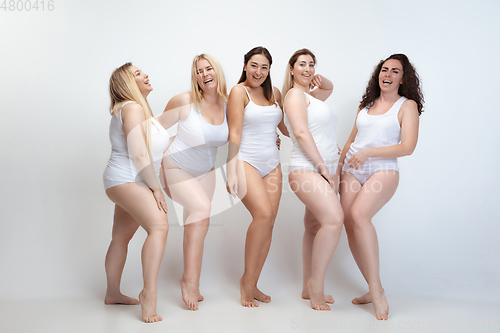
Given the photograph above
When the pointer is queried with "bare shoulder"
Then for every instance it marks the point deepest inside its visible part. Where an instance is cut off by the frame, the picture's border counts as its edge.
(238, 91)
(179, 101)
(132, 110)
(295, 94)
(277, 92)
(409, 107)
(238, 96)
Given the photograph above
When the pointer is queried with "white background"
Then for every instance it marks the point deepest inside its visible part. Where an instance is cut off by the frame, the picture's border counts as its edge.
(438, 235)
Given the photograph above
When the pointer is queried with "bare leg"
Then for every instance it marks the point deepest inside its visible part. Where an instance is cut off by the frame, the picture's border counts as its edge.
(311, 228)
(322, 201)
(261, 198)
(124, 228)
(195, 196)
(194, 240)
(141, 205)
(349, 189)
(374, 194)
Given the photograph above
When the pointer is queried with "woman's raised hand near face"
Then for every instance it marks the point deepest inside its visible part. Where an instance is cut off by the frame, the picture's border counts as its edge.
(316, 81)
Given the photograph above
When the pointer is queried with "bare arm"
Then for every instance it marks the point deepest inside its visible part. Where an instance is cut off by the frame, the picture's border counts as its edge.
(281, 125)
(296, 110)
(347, 145)
(409, 121)
(133, 122)
(324, 87)
(234, 111)
(177, 108)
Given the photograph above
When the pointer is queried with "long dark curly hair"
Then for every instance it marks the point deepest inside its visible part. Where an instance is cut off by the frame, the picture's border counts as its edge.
(410, 88)
(267, 85)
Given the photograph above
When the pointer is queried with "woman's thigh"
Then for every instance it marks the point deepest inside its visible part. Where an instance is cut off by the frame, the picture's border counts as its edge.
(256, 199)
(348, 189)
(138, 201)
(185, 189)
(316, 194)
(273, 182)
(374, 194)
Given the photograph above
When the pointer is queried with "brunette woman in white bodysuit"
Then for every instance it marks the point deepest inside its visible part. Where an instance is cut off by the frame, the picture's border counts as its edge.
(386, 128)
(253, 168)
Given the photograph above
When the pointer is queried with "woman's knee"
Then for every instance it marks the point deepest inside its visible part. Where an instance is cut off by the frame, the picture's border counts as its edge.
(264, 214)
(311, 225)
(122, 238)
(158, 226)
(264, 217)
(202, 210)
(359, 217)
(333, 220)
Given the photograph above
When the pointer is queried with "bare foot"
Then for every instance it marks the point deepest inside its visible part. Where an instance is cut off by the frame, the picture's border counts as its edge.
(260, 296)
(190, 295)
(148, 305)
(317, 297)
(380, 304)
(120, 299)
(365, 299)
(247, 295)
(305, 295)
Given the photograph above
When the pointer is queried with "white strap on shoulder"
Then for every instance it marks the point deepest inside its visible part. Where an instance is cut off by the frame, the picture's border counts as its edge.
(127, 102)
(248, 94)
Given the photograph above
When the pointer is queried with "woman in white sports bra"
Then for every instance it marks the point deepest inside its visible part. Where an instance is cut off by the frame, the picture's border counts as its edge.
(131, 182)
(386, 128)
(313, 175)
(253, 168)
(188, 164)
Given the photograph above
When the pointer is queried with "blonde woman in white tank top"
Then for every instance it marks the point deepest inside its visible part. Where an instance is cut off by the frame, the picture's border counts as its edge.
(132, 184)
(313, 173)
(188, 164)
(386, 128)
(253, 168)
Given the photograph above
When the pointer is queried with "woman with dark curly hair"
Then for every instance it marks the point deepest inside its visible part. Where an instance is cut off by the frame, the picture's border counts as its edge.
(386, 128)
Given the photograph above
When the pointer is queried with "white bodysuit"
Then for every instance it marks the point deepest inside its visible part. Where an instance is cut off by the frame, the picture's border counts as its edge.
(322, 123)
(120, 168)
(194, 148)
(258, 136)
(375, 131)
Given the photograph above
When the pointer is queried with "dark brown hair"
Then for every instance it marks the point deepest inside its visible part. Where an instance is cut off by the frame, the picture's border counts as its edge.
(268, 87)
(410, 88)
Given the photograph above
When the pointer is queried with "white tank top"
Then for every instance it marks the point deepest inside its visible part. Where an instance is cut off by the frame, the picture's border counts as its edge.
(322, 124)
(377, 131)
(195, 146)
(119, 158)
(258, 133)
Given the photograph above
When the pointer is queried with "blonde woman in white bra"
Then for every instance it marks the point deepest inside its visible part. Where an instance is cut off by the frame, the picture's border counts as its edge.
(386, 128)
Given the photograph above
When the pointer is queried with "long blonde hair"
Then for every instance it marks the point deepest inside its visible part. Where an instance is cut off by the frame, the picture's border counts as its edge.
(288, 82)
(196, 91)
(122, 88)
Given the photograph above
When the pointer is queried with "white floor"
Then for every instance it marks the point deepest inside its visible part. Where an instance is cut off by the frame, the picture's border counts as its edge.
(222, 313)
